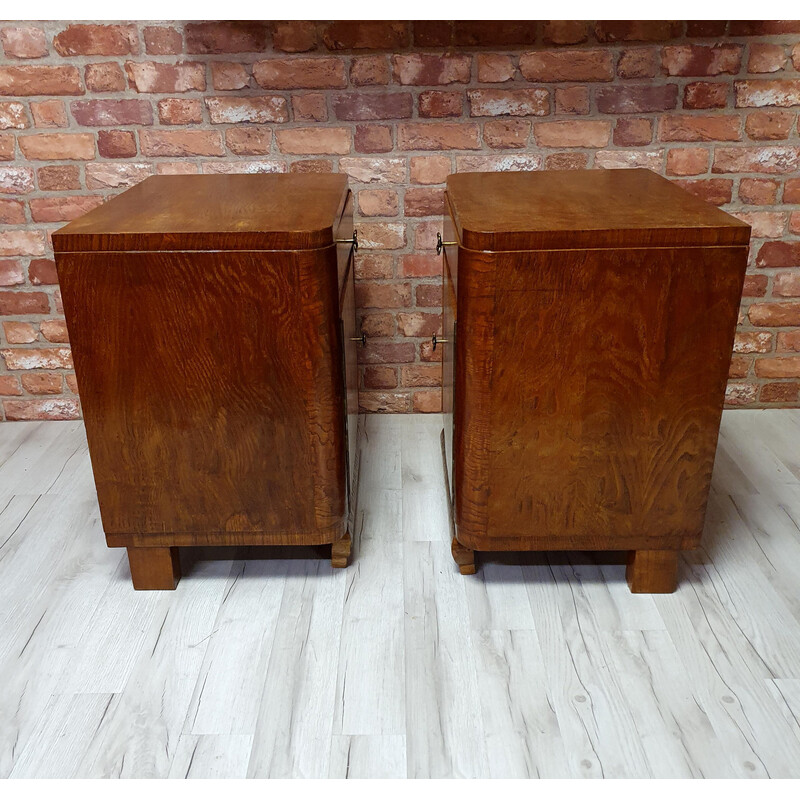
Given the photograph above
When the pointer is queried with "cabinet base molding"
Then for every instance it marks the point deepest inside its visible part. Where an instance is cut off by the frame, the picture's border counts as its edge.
(464, 557)
(652, 571)
(154, 567)
(340, 551)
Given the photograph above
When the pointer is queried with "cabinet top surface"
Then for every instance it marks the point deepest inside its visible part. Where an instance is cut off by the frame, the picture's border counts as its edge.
(213, 212)
(583, 209)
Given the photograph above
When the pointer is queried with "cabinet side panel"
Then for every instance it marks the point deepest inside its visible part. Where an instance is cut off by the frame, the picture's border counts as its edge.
(195, 374)
(607, 389)
(449, 295)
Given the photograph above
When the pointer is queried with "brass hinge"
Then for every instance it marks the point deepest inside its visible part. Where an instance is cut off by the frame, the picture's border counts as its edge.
(438, 341)
(439, 245)
(362, 339)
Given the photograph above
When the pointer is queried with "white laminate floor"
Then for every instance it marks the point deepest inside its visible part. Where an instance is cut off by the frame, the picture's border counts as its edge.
(539, 665)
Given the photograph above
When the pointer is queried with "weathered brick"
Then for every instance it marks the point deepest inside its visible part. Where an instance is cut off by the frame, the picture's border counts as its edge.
(770, 160)
(421, 265)
(162, 40)
(783, 392)
(693, 128)
(781, 367)
(115, 176)
(706, 28)
(309, 141)
(565, 32)
(752, 342)
(704, 94)
(373, 139)
(16, 180)
(295, 37)
(227, 76)
(245, 167)
(786, 284)
(300, 73)
(508, 162)
(378, 202)
(788, 341)
(629, 159)
(758, 93)
(438, 104)
(366, 35)
(20, 332)
(779, 254)
(764, 224)
(427, 402)
(635, 99)
(577, 133)
(62, 209)
(425, 234)
(432, 33)
(369, 106)
(23, 42)
(58, 146)
(179, 111)
(423, 202)
(784, 315)
(428, 69)
(495, 68)
(694, 60)
(30, 80)
(97, 40)
(755, 286)
(637, 31)
(791, 191)
(377, 402)
(769, 125)
(46, 408)
(104, 77)
(262, 109)
(508, 102)
(638, 62)
(380, 377)
(13, 115)
(248, 141)
(369, 71)
(6, 147)
(149, 77)
(374, 266)
(60, 177)
(794, 222)
(54, 330)
(740, 394)
(374, 170)
(12, 212)
(766, 57)
(16, 303)
(768, 28)
(572, 100)
(9, 386)
(428, 354)
(226, 37)
(758, 191)
(438, 136)
(382, 235)
(96, 113)
(418, 324)
(383, 295)
(421, 375)
(505, 134)
(42, 382)
(310, 107)
(49, 114)
(567, 65)
(180, 143)
(487, 33)
(687, 161)
(42, 271)
(430, 169)
(429, 295)
(633, 132)
(11, 273)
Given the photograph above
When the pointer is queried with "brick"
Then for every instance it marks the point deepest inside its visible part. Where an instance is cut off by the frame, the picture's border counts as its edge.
(16, 180)
(18, 303)
(368, 106)
(62, 209)
(226, 37)
(786, 284)
(769, 125)
(418, 324)
(295, 37)
(380, 377)
(310, 107)
(785, 315)
(428, 354)
(9, 385)
(179, 111)
(765, 224)
(54, 330)
(378, 202)
(789, 341)
(572, 100)
(779, 254)
(104, 77)
(151, 77)
(22, 243)
(633, 132)
(768, 28)
(429, 295)
(440, 104)
(583, 133)
(565, 32)
(429, 402)
(740, 394)
(432, 33)
(374, 170)
(227, 76)
(766, 57)
(180, 143)
(248, 141)
(246, 167)
(97, 40)
(636, 99)
(508, 102)
(758, 191)
(782, 367)
(162, 41)
(786, 392)
(752, 342)
(693, 128)
(421, 265)
(11, 273)
(706, 28)
(758, 93)
(383, 295)
(369, 71)
(6, 147)
(61, 177)
(638, 62)
(300, 73)
(694, 60)
(115, 176)
(487, 33)
(262, 109)
(495, 68)
(366, 35)
(770, 160)
(12, 212)
(567, 160)
(30, 80)
(427, 69)
(796, 56)
(49, 408)
(374, 266)
(23, 42)
(794, 222)
(637, 31)
(504, 134)
(423, 202)
(430, 169)
(378, 325)
(116, 144)
(382, 235)
(49, 114)
(791, 191)
(97, 113)
(567, 65)
(42, 382)
(421, 375)
(629, 159)
(755, 286)
(703, 94)
(20, 332)
(307, 141)
(58, 146)
(13, 115)
(687, 161)
(438, 136)
(425, 234)
(373, 139)
(739, 366)
(378, 402)
(508, 162)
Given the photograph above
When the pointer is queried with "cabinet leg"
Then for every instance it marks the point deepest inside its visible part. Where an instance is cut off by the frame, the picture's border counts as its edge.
(463, 556)
(340, 551)
(652, 571)
(154, 567)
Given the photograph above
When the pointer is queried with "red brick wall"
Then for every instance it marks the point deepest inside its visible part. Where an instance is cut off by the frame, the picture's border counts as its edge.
(86, 110)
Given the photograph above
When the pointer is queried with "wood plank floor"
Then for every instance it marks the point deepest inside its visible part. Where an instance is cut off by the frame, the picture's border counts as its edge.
(539, 665)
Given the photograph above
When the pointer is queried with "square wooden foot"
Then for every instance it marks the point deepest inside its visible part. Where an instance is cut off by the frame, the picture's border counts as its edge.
(154, 567)
(652, 571)
(463, 556)
(340, 552)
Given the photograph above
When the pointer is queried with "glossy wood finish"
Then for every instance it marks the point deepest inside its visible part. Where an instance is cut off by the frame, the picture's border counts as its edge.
(588, 382)
(216, 384)
(154, 567)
